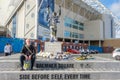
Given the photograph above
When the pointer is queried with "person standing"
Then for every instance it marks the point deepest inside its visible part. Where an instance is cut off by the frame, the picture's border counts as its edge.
(28, 53)
(10, 46)
(7, 49)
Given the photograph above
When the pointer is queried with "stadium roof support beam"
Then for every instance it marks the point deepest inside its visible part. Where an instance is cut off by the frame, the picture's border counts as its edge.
(86, 10)
(80, 7)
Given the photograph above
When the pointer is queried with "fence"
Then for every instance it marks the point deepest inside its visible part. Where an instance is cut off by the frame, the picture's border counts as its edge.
(99, 49)
(15, 42)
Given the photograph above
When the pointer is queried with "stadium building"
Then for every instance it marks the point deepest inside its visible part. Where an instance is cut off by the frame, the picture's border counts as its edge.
(2, 31)
(84, 21)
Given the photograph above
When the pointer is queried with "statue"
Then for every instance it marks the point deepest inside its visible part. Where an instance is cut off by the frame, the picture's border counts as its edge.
(53, 20)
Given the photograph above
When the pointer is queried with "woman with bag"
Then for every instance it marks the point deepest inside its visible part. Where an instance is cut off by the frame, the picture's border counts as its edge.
(28, 54)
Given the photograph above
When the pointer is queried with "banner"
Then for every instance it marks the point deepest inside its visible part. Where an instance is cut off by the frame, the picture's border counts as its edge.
(45, 9)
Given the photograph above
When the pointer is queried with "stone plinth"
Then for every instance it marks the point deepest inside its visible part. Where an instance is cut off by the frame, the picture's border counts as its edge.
(53, 47)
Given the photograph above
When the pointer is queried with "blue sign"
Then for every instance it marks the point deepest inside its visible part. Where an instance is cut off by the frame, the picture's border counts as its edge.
(45, 9)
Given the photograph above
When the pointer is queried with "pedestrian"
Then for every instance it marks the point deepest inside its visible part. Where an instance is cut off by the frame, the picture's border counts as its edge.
(28, 53)
(10, 46)
(7, 49)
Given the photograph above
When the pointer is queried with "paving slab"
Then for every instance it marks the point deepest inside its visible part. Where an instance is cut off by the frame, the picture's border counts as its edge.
(59, 75)
(100, 68)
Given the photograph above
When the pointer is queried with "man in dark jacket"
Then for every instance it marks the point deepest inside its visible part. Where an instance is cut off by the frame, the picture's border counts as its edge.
(28, 53)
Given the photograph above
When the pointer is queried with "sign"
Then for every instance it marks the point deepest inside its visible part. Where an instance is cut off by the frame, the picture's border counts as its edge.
(43, 12)
(44, 32)
(53, 47)
(54, 76)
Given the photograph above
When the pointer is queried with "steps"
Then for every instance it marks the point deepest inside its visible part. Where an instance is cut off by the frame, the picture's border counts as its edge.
(60, 75)
(50, 69)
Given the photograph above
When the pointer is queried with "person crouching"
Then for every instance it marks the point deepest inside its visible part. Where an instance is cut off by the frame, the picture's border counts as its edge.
(28, 53)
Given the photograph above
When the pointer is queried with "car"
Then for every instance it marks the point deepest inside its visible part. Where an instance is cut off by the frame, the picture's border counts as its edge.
(116, 54)
(73, 51)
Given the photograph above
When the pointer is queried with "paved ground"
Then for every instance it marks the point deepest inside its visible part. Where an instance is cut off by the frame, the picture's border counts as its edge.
(100, 56)
(103, 67)
(1, 54)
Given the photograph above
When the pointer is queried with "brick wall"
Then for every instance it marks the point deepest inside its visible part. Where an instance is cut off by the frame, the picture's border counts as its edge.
(112, 43)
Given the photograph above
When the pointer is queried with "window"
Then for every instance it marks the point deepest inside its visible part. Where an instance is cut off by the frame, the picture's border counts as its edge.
(67, 33)
(32, 35)
(28, 6)
(14, 27)
(32, 15)
(75, 35)
(75, 26)
(81, 36)
(72, 35)
(67, 25)
(69, 22)
(81, 27)
(27, 26)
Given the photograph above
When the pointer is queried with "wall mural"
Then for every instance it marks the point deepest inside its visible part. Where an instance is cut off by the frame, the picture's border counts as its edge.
(45, 9)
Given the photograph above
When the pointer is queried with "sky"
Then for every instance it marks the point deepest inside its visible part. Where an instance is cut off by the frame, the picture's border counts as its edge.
(6, 7)
(113, 5)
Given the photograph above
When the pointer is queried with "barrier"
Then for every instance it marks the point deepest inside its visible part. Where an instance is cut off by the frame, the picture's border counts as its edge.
(99, 49)
(16, 44)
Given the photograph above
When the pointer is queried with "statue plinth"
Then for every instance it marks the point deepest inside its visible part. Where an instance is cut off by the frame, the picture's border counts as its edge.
(53, 47)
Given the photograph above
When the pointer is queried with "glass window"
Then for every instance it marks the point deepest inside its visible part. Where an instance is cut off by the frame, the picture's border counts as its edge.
(32, 35)
(32, 15)
(67, 25)
(75, 26)
(67, 33)
(27, 26)
(69, 22)
(81, 27)
(28, 6)
(81, 36)
(72, 35)
(81, 24)
(14, 26)
(75, 35)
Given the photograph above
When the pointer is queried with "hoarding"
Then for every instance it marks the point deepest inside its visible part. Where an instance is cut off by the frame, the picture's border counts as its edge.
(45, 9)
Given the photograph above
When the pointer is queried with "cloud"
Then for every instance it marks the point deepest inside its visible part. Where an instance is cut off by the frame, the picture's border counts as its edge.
(115, 8)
